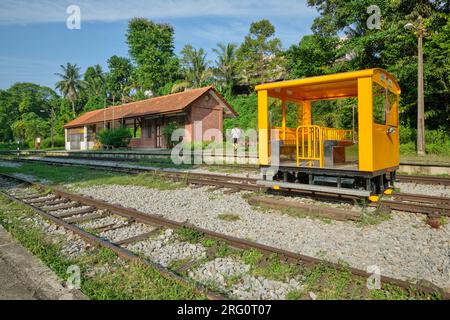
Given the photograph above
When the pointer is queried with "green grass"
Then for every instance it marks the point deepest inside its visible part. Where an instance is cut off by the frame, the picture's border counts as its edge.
(273, 268)
(252, 257)
(429, 158)
(372, 218)
(159, 162)
(220, 248)
(123, 281)
(85, 177)
(292, 212)
(189, 235)
(229, 217)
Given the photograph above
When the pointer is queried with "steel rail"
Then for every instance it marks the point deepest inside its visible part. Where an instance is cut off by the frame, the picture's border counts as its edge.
(424, 180)
(249, 184)
(156, 220)
(115, 247)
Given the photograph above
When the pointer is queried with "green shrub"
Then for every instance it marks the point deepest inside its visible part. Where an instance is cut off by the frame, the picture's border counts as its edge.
(117, 138)
(407, 135)
(437, 142)
(408, 148)
(167, 132)
(12, 146)
(438, 148)
(58, 142)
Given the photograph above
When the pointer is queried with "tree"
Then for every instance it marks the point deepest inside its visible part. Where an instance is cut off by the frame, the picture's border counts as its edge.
(119, 78)
(151, 46)
(71, 83)
(259, 55)
(94, 81)
(23, 98)
(195, 68)
(226, 65)
(394, 48)
(29, 127)
(314, 55)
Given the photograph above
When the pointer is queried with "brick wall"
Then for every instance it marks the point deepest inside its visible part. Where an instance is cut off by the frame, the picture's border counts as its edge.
(208, 111)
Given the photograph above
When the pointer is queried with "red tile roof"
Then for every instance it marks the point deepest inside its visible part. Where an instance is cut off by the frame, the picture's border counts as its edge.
(160, 105)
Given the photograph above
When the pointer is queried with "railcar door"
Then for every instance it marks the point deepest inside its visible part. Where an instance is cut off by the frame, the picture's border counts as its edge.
(385, 128)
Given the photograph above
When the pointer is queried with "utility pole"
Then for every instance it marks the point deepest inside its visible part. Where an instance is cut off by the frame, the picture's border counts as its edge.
(421, 98)
(420, 87)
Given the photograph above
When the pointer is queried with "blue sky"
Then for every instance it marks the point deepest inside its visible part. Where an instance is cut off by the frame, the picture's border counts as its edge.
(35, 39)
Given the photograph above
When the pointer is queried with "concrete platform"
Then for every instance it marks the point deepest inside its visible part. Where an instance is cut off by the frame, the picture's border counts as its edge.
(24, 277)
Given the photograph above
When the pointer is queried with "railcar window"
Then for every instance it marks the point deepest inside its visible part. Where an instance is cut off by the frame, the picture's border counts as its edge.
(392, 100)
(379, 104)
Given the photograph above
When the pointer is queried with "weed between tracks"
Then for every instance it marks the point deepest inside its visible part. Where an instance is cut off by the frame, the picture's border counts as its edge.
(104, 275)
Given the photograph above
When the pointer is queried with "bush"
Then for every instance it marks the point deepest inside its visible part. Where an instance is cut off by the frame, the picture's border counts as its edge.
(408, 149)
(117, 138)
(407, 135)
(167, 132)
(58, 142)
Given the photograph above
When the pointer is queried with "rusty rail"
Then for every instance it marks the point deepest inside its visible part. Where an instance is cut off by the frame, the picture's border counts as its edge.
(156, 220)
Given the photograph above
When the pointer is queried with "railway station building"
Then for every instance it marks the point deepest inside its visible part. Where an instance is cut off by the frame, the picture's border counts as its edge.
(147, 118)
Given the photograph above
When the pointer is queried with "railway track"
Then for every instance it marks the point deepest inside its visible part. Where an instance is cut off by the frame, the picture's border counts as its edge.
(422, 204)
(424, 180)
(47, 201)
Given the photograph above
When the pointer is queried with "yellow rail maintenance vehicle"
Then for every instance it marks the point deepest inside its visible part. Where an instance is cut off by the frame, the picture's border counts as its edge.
(359, 158)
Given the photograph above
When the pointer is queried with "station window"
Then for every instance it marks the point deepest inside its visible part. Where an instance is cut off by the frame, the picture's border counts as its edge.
(379, 104)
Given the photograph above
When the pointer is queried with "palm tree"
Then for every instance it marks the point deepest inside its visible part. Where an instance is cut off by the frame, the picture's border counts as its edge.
(226, 64)
(196, 69)
(71, 83)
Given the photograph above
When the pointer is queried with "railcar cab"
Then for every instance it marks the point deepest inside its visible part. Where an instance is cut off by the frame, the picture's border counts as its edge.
(303, 146)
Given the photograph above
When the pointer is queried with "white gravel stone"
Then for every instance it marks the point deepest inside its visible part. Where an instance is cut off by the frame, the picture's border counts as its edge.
(404, 247)
(220, 271)
(423, 189)
(166, 249)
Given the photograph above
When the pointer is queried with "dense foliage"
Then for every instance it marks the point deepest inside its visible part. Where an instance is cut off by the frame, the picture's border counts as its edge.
(117, 138)
(340, 41)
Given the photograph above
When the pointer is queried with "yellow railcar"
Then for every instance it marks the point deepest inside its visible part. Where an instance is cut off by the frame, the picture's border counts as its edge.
(361, 160)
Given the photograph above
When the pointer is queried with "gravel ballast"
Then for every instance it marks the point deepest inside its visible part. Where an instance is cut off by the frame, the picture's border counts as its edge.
(403, 247)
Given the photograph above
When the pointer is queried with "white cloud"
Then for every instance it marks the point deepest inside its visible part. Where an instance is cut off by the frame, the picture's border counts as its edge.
(46, 11)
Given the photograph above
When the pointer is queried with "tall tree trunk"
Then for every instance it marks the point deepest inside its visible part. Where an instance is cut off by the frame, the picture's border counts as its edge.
(73, 106)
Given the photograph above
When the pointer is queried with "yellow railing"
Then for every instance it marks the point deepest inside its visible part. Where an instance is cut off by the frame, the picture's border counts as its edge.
(337, 134)
(287, 135)
(310, 140)
(309, 144)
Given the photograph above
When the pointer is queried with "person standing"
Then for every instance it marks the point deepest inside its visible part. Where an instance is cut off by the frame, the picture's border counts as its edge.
(236, 136)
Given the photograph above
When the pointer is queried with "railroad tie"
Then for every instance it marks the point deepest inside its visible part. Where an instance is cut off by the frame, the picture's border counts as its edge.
(53, 203)
(185, 267)
(84, 218)
(64, 207)
(215, 188)
(35, 202)
(74, 213)
(137, 238)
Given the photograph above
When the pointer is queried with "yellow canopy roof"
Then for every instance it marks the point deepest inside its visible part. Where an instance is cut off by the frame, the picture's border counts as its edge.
(340, 85)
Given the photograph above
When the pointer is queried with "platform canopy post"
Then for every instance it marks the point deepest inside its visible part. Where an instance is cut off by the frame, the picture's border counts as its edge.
(263, 126)
(365, 124)
(306, 113)
(283, 121)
